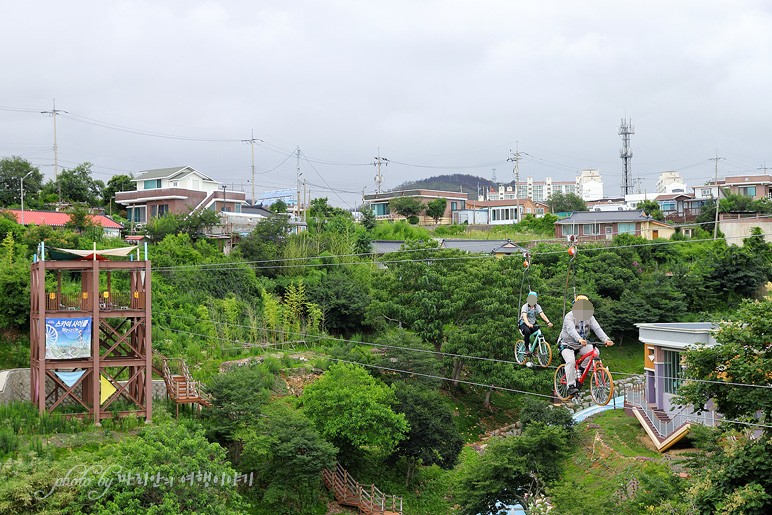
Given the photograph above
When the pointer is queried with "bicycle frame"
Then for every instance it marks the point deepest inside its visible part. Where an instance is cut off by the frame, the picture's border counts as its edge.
(591, 356)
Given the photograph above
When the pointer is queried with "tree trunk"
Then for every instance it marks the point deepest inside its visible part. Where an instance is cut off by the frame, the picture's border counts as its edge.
(487, 402)
(410, 469)
(456, 371)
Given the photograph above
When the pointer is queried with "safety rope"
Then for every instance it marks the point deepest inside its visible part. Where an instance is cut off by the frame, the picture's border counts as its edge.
(571, 252)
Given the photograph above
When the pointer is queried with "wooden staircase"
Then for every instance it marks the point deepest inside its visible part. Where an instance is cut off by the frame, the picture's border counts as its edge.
(368, 499)
(181, 387)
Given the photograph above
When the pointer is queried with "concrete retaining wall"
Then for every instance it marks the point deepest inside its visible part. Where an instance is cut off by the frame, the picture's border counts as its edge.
(14, 386)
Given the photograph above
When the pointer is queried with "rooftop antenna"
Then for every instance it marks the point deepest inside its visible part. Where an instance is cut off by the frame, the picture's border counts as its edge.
(626, 129)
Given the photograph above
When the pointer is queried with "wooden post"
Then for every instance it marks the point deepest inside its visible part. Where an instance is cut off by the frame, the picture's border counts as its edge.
(41, 337)
(95, 350)
(148, 347)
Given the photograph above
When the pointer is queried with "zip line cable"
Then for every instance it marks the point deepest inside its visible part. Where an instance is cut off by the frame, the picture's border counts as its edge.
(472, 383)
(434, 352)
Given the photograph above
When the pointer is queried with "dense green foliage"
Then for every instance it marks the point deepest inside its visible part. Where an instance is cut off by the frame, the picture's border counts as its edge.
(12, 169)
(436, 208)
(512, 469)
(406, 206)
(564, 203)
(317, 298)
(354, 411)
(287, 455)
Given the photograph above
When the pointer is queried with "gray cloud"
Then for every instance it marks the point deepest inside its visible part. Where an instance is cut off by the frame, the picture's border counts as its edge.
(444, 83)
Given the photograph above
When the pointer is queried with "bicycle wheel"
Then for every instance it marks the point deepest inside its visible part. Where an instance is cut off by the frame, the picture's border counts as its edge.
(544, 353)
(561, 387)
(520, 352)
(601, 386)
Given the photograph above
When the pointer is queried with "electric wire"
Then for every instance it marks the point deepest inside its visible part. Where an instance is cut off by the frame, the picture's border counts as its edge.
(472, 383)
(449, 354)
(235, 265)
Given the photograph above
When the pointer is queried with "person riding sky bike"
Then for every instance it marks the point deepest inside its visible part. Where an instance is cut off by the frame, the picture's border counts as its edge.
(528, 314)
(573, 342)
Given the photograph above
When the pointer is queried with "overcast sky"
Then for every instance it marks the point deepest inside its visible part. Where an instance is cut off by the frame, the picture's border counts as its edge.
(448, 85)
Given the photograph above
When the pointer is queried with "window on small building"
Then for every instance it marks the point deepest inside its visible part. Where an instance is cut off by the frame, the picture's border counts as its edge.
(588, 229)
(569, 230)
(163, 209)
(152, 184)
(748, 191)
(454, 206)
(626, 228)
(673, 371)
(539, 210)
(667, 206)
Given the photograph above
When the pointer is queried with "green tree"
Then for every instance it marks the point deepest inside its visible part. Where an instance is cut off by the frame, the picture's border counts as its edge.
(279, 206)
(512, 470)
(542, 226)
(287, 455)
(741, 270)
(237, 399)
(12, 169)
(406, 206)
(80, 218)
(77, 186)
(368, 218)
(436, 208)
(353, 410)
(433, 438)
(560, 203)
(120, 182)
(14, 284)
(343, 300)
(651, 208)
(736, 479)
(195, 224)
(416, 291)
(265, 244)
(741, 356)
(169, 452)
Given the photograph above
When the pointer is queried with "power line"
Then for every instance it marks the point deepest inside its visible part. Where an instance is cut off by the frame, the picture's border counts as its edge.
(444, 378)
(449, 354)
(322, 178)
(234, 265)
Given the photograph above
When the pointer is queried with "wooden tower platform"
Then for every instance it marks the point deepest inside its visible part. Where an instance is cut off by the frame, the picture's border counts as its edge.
(90, 343)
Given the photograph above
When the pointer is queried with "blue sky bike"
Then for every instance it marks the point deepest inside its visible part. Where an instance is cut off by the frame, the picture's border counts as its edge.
(538, 348)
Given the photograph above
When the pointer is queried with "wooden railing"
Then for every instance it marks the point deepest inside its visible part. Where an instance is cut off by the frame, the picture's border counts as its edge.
(108, 301)
(181, 386)
(368, 499)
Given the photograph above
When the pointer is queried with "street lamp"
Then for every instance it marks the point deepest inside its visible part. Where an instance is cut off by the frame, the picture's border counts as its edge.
(21, 187)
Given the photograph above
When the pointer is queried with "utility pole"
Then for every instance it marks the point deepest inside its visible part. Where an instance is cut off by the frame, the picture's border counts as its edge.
(516, 170)
(379, 176)
(297, 178)
(21, 187)
(718, 195)
(53, 113)
(252, 141)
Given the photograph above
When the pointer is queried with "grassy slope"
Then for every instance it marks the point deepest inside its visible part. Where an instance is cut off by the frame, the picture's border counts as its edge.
(609, 452)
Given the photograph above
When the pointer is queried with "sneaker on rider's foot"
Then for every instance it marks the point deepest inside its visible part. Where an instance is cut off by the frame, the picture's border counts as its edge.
(572, 390)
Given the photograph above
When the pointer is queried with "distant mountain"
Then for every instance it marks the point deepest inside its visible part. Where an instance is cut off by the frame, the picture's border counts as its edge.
(454, 182)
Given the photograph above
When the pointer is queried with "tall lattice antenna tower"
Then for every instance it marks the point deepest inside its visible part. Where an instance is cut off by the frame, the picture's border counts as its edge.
(626, 129)
(493, 176)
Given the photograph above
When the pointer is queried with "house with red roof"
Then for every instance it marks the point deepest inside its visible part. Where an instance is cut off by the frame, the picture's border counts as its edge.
(111, 228)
